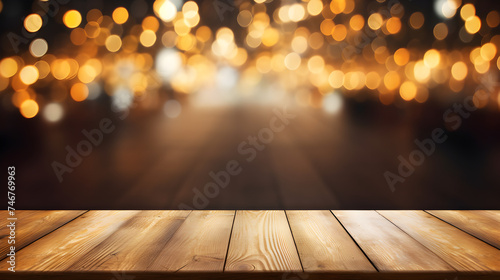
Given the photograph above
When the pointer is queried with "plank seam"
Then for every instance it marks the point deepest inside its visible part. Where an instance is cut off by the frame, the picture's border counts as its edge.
(169, 240)
(294, 242)
(373, 264)
(418, 241)
(25, 246)
(462, 230)
(229, 242)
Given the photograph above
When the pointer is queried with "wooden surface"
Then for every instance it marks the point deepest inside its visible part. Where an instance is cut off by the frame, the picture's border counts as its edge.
(458, 248)
(247, 244)
(262, 241)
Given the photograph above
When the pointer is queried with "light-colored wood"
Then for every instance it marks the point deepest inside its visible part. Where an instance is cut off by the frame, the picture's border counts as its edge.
(31, 225)
(324, 245)
(461, 250)
(389, 248)
(262, 241)
(135, 244)
(483, 224)
(60, 249)
(200, 244)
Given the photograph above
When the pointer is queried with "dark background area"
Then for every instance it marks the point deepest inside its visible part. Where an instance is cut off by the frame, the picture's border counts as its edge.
(319, 161)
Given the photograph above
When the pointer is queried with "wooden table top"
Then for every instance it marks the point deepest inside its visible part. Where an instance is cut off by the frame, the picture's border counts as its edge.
(130, 244)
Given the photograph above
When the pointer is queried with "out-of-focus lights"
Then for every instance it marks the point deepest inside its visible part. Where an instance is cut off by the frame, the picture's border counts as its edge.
(488, 51)
(296, 12)
(245, 18)
(337, 6)
(168, 62)
(393, 25)
(226, 77)
(314, 7)
(375, 21)
(147, 38)
(417, 20)
(332, 103)
(72, 18)
(53, 112)
(94, 15)
(190, 9)
(38, 47)
(473, 24)
(339, 32)
(467, 11)
(432, 58)
(493, 19)
(120, 15)
(8, 67)
(392, 80)
(292, 61)
(150, 23)
(43, 68)
(60, 69)
(408, 90)
(316, 64)
(357, 22)
(87, 73)
(79, 92)
(440, 31)
(167, 11)
(270, 37)
(336, 79)
(459, 71)
(372, 80)
(113, 43)
(445, 8)
(29, 74)
(401, 56)
(172, 109)
(299, 44)
(421, 71)
(29, 108)
(33, 23)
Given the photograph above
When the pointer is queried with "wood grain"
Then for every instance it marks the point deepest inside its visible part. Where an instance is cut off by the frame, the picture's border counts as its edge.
(324, 245)
(483, 224)
(461, 250)
(262, 241)
(60, 249)
(135, 244)
(200, 244)
(389, 248)
(32, 225)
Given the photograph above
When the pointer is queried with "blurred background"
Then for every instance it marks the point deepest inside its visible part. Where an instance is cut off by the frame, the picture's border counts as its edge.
(172, 104)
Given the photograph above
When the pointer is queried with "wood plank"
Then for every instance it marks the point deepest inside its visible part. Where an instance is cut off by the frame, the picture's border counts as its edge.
(200, 244)
(461, 250)
(483, 224)
(262, 241)
(148, 275)
(135, 244)
(324, 245)
(60, 249)
(388, 247)
(32, 225)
